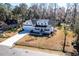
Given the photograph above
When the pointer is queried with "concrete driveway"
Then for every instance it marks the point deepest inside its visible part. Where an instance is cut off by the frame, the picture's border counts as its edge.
(10, 41)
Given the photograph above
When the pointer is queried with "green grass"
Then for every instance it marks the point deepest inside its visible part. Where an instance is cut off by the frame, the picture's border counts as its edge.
(12, 30)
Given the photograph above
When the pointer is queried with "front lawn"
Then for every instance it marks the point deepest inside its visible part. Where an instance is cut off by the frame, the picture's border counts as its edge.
(54, 42)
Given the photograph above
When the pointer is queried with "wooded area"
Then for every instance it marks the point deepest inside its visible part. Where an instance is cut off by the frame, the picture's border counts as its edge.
(18, 14)
(38, 10)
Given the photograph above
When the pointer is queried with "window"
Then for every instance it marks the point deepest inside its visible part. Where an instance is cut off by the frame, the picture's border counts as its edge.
(37, 29)
(41, 23)
(46, 29)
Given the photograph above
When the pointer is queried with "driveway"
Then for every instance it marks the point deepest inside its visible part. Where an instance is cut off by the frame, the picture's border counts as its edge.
(10, 41)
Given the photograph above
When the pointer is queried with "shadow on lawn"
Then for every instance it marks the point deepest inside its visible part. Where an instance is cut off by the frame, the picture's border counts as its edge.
(39, 35)
(35, 34)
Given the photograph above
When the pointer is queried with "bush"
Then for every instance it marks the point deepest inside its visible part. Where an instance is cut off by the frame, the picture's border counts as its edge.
(13, 29)
(59, 27)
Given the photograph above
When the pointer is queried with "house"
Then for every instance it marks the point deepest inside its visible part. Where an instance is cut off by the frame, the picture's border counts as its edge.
(39, 26)
(42, 27)
(3, 26)
(11, 23)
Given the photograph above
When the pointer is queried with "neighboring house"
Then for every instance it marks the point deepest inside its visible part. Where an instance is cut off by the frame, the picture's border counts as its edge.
(3, 26)
(7, 25)
(12, 23)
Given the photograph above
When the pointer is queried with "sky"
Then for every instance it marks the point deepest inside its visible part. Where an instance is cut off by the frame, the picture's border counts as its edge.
(60, 4)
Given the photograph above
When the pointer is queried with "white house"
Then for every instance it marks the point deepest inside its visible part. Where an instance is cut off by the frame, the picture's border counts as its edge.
(40, 26)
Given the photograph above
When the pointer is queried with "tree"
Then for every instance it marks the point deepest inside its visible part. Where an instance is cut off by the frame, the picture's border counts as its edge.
(76, 42)
(75, 14)
(42, 8)
(34, 12)
(65, 30)
(53, 9)
(2, 12)
(8, 10)
(65, 33)
(23, 9)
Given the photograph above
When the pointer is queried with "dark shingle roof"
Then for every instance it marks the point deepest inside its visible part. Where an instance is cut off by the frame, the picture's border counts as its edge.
(52, 22)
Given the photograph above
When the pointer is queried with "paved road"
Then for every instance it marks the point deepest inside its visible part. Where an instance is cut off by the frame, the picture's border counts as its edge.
(10, 41)
(7, 51)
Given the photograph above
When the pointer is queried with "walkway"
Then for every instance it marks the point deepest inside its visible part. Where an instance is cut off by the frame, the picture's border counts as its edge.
(10, 41)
